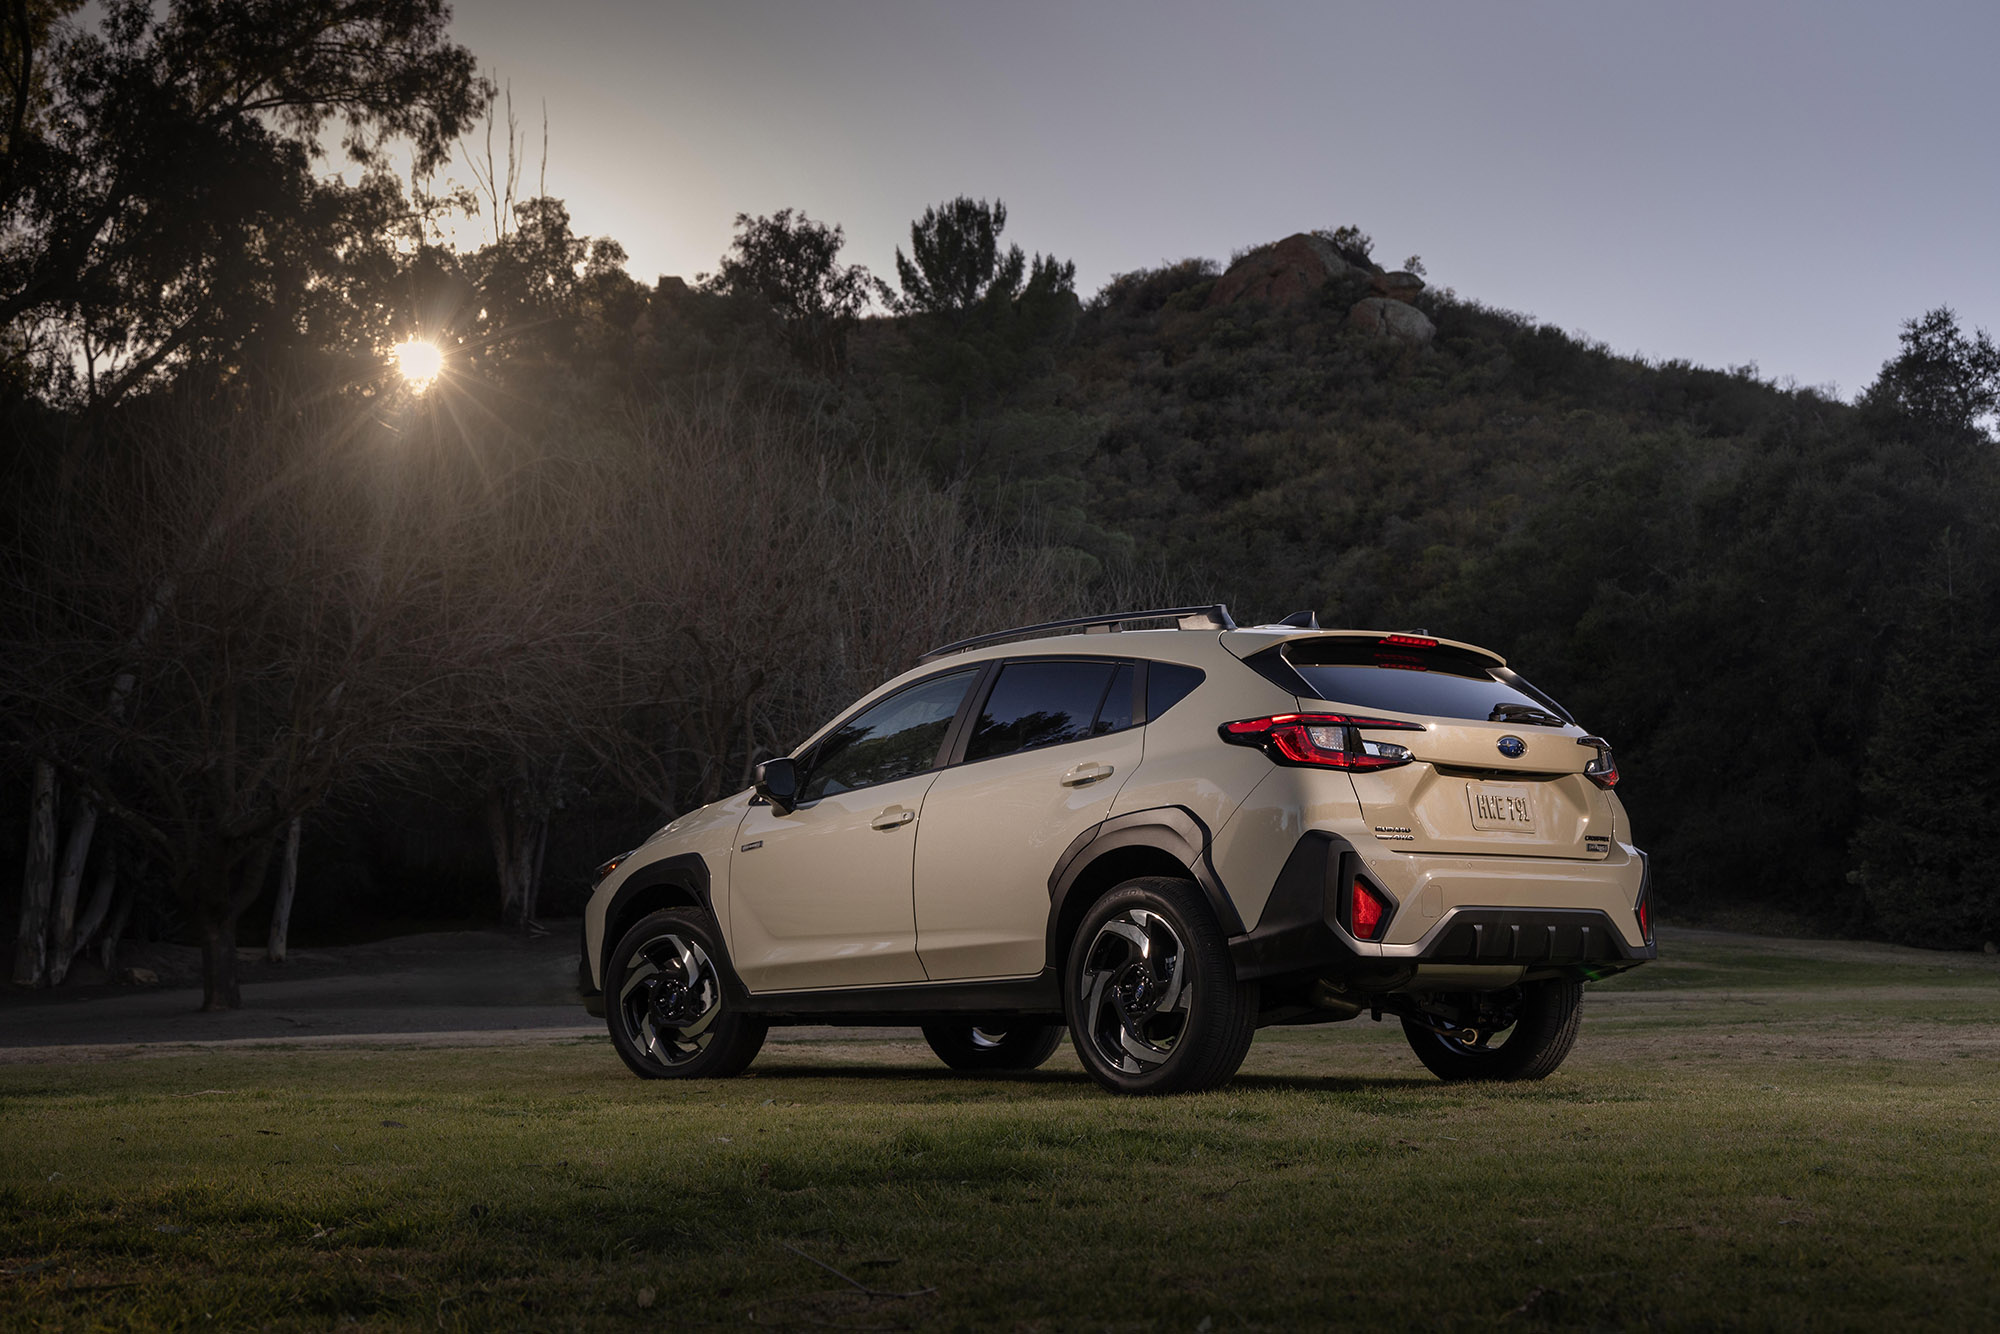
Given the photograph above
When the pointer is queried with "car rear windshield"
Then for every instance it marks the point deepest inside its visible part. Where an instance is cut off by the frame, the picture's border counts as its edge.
(1439, 683)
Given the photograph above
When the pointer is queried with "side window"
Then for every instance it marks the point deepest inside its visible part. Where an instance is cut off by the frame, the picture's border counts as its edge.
(1167, 684)
(1046, 703)
(892, 739)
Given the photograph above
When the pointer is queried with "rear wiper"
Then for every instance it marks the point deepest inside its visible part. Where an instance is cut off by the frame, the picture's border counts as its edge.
(1524, 713)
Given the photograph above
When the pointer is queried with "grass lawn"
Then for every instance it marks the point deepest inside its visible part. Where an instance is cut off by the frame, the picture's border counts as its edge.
(1747, 1137)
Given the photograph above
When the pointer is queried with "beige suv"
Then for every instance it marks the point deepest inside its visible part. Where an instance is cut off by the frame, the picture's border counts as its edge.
(1160, 840)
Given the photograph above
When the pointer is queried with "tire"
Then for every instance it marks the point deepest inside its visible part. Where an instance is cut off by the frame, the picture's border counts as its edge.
(1153, 1001)
(1545, 1022)
(667, 1005)
(977, 1047)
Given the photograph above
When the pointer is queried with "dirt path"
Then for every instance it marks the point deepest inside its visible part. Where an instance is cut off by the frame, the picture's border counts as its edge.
(447, 988)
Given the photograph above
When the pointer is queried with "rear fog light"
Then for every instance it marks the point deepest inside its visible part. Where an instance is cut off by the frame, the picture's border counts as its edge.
(1368, 912)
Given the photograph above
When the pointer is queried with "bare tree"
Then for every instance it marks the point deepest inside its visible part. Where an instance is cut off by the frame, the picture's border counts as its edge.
(320, 616)
(751, 579)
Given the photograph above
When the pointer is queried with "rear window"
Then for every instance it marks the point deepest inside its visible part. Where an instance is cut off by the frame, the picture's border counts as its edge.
(1365, 674)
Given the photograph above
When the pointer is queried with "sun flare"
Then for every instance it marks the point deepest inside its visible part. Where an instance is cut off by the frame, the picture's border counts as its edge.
(420, 362)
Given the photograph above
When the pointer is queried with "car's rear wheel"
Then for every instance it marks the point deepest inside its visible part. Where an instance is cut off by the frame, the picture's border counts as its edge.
(665, 1002)
(992, 1046)
(1524, 1034)
(1154, 1004)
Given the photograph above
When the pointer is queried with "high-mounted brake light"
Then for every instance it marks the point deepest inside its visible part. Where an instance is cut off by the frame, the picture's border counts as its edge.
(1603, 770)
(1322, 740)
(1408, 641)
(1368, 911)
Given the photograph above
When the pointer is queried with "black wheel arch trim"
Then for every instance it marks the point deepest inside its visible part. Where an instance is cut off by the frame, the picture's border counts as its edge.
(1174, 830)
(686, 872)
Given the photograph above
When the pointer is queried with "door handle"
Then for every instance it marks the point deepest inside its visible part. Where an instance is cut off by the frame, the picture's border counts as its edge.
(893, 818)
(1085, 773)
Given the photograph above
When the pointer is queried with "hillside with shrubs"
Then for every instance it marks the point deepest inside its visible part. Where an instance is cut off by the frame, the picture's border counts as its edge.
(459, 640)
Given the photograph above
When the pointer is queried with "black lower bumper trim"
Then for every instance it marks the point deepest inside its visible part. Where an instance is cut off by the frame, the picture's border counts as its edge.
(1532, 936)
(1296, 936)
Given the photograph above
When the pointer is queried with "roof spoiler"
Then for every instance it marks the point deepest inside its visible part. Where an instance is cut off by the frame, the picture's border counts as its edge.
(1212, 617)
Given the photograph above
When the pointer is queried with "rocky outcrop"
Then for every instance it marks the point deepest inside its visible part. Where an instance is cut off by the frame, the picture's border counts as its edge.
(1296, 267)
(1397, 286)
(1280, 273)
(1381, 317)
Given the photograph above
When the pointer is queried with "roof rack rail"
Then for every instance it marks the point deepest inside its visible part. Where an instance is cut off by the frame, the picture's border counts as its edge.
(1212, 617)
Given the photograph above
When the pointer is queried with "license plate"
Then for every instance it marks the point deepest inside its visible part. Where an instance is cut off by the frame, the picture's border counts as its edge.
(1501, 806)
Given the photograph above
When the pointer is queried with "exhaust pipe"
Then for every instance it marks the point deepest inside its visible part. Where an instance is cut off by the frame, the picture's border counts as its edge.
(1328, 994)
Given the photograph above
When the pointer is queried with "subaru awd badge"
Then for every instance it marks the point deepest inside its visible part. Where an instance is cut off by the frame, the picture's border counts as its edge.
(1513, 747)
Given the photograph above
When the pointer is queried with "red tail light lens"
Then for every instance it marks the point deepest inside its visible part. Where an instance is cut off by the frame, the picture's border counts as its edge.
(1645, 920)
(1603, 770)
(1369, 911)
(1322, 740)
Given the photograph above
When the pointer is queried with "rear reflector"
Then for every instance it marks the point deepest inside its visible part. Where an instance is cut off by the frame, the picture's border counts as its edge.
(1368, 911)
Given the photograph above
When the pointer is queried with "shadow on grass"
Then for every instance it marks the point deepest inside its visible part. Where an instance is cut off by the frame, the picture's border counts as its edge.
(1076, 1079)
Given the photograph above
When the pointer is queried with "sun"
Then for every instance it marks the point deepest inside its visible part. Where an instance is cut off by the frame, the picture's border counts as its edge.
(420, 362)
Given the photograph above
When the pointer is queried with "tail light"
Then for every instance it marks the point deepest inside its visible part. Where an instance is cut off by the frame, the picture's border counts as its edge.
(1322, 740)
(1603, 770)
(1367, 912)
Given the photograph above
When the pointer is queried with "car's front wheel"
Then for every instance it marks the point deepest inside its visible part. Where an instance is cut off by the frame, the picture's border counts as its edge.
(1520, 1034)
(1154, 1004)
(669, 1013)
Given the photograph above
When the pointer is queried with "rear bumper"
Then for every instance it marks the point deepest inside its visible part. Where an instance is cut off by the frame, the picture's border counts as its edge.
(1300, 936)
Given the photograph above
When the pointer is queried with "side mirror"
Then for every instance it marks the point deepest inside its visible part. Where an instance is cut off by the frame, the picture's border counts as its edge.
(777, 781)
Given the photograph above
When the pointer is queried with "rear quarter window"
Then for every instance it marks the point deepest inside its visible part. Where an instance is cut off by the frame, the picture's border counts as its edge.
(1167, 684)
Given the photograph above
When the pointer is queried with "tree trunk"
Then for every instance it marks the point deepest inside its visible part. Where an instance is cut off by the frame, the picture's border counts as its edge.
(219, 990)
(69, 882)
(37, 880)
(233, 876)
(102, 890)
(107, 949)
(500, 832)
(288, 882)
(531, 894)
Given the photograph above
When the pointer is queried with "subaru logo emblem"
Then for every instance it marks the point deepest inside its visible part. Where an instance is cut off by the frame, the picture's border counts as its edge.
(1513, 747)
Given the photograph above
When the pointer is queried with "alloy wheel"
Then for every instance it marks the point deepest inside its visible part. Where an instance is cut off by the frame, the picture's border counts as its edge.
(1136, 994)
(670, 997)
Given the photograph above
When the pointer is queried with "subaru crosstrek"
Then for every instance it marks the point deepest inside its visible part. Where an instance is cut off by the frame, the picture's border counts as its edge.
(1157, 840)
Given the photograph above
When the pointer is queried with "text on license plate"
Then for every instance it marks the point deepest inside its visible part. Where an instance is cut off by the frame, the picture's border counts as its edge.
(1501, 806)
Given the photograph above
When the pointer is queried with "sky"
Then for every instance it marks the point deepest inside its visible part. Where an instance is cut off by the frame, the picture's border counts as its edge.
(1777, 182)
